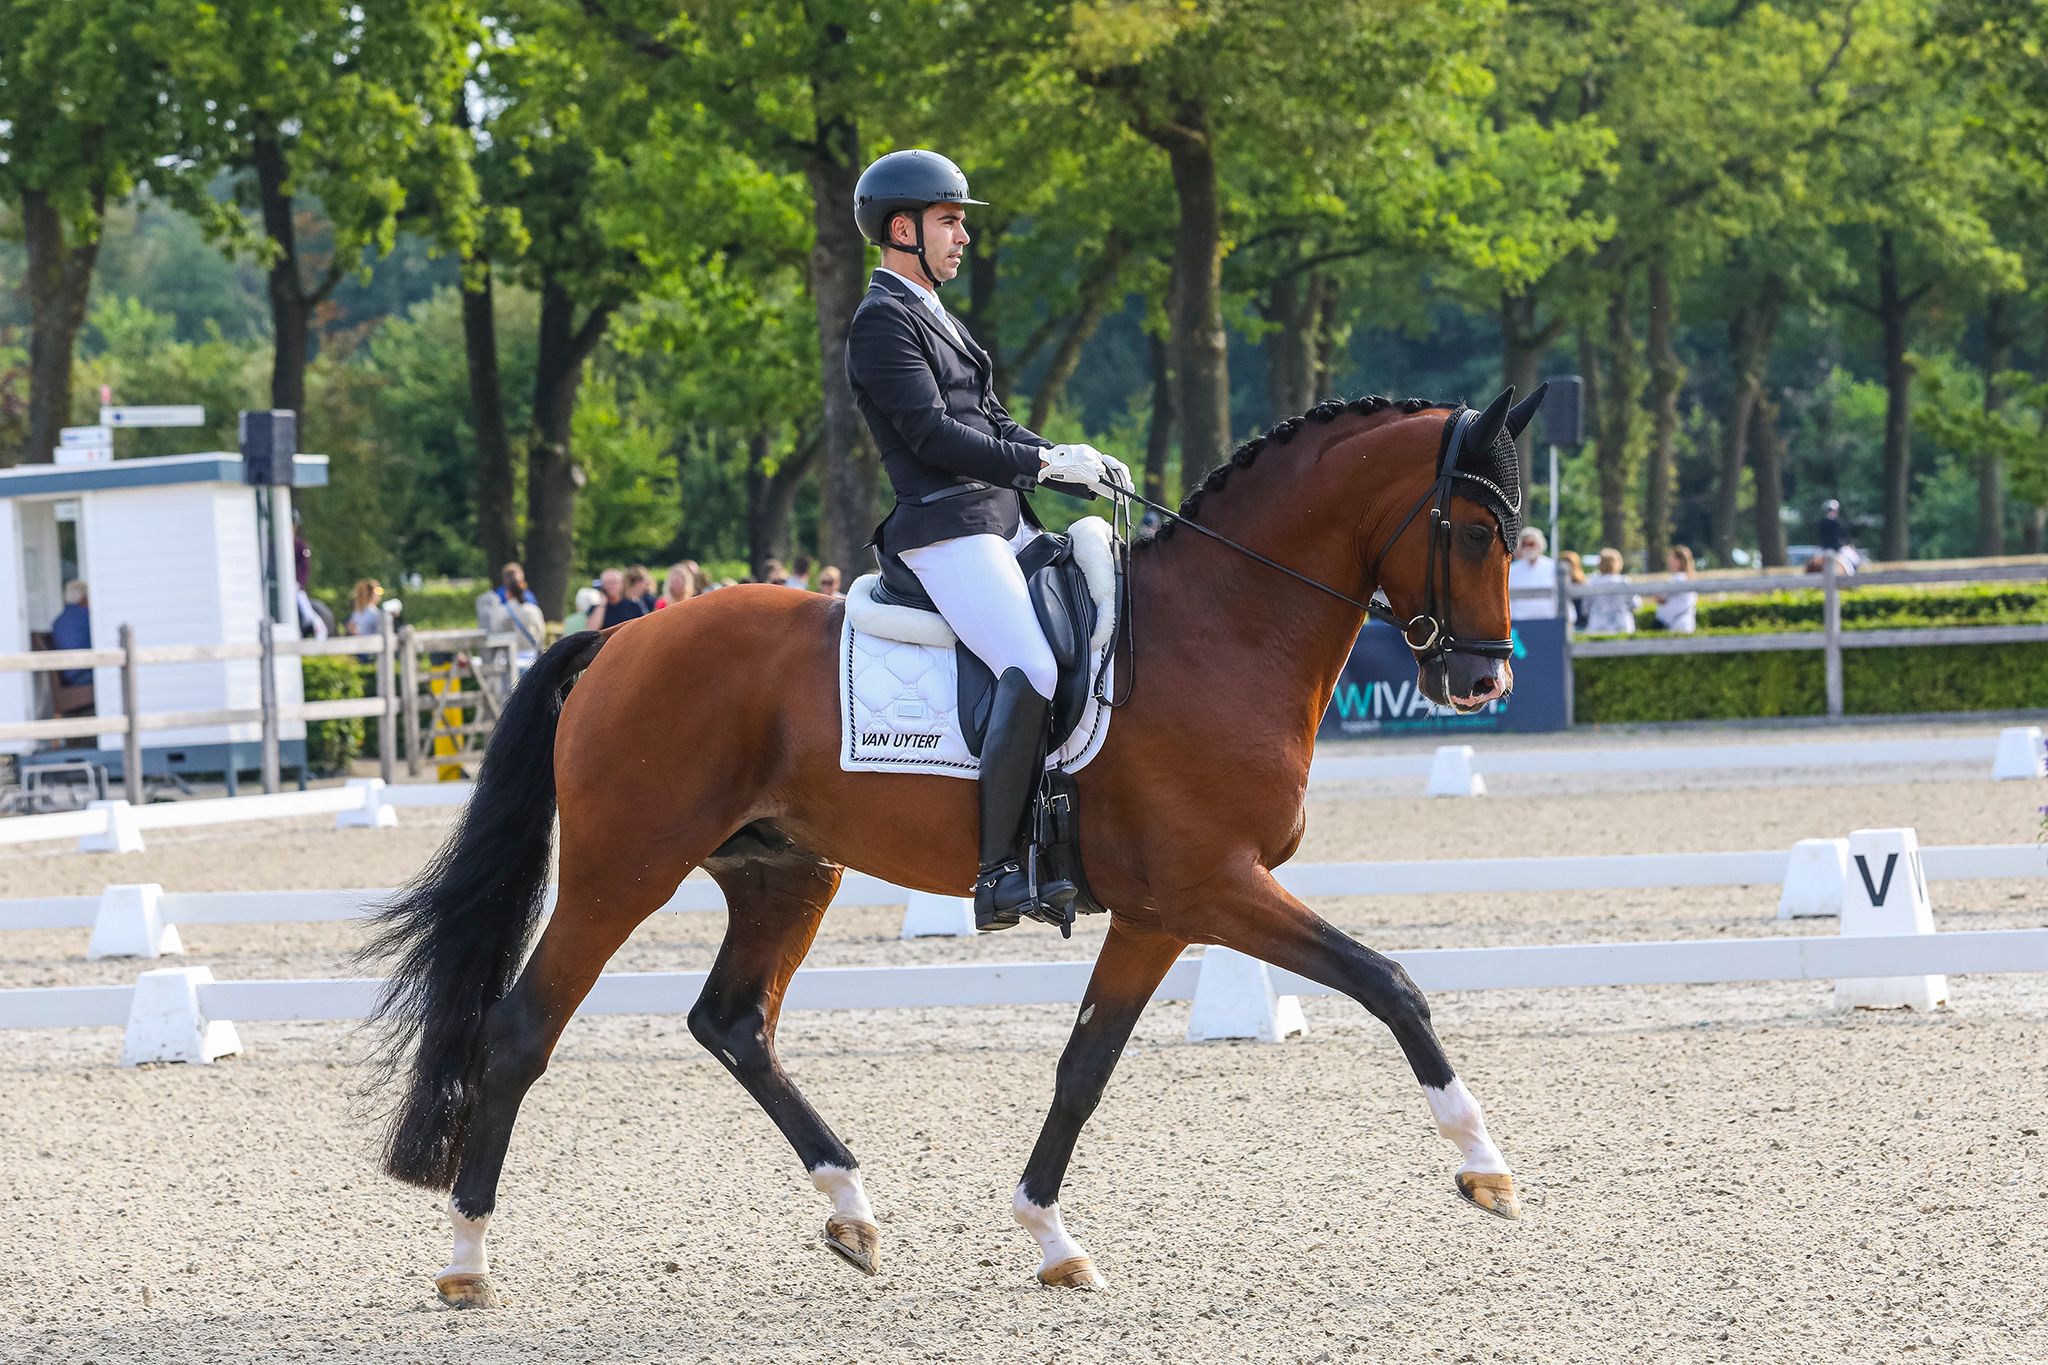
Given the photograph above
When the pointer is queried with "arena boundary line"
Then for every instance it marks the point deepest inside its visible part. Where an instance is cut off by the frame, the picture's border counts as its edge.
(1632, 871)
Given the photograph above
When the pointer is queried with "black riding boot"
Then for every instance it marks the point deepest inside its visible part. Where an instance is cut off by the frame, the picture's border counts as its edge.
(1012, 757)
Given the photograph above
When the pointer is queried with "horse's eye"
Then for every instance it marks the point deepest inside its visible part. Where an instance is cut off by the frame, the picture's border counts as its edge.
(1476, 536)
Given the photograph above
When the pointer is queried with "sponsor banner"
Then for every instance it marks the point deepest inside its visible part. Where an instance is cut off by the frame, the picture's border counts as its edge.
(1377, 695)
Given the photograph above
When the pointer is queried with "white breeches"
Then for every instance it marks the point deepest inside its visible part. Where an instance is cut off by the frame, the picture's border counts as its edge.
(975, 583)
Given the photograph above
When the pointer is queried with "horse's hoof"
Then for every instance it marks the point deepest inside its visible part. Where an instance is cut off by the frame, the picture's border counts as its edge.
(1493, 1193)
(859, 1243)
(466, 1289)
(1076, 1272)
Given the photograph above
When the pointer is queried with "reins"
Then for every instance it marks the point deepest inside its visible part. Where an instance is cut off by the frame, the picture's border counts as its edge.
(1436, 646)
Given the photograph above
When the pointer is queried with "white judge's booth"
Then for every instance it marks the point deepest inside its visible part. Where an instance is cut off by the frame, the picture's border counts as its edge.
(177, 547)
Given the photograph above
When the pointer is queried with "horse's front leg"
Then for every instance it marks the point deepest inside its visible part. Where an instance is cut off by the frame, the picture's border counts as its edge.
(1255, 915)
(1126, 973)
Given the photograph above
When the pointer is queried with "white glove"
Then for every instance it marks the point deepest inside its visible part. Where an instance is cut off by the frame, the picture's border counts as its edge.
(1119, 473)
(1078, 464)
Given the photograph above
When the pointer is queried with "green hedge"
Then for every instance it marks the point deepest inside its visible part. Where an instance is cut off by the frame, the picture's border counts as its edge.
(1875, 682)
(331, 745)
(1873, 609)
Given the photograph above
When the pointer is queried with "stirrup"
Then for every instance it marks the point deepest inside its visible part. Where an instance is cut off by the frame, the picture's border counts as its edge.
(1007, 892)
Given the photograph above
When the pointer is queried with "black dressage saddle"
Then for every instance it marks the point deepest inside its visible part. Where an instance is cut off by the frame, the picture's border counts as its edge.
(1066, 612)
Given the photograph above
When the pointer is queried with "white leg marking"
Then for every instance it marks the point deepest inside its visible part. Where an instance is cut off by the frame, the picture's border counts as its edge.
(470, 1257)
(1042, 1221)
(1458, 1118)
(843, 1188)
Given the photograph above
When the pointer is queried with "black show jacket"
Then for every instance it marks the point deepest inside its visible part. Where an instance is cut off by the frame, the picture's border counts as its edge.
(956, 460)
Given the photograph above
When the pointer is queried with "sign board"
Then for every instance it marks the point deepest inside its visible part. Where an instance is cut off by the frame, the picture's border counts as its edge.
(162, 416)
(84, 445)
(86, 436)
(1377, 692)
(82, 454)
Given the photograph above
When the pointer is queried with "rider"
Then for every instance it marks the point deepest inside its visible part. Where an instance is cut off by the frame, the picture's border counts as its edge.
(959, 466)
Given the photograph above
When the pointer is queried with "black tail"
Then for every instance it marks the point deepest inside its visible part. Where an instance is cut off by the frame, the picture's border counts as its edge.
(460, 928)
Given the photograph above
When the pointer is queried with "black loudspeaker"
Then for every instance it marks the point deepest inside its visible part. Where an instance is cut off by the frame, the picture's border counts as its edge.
(1563, 410)
(269, 440)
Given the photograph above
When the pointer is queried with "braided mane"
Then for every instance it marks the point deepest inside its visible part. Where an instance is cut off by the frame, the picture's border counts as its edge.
(1280, 434)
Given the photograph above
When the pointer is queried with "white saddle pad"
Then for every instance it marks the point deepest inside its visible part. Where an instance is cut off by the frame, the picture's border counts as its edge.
(899, 686)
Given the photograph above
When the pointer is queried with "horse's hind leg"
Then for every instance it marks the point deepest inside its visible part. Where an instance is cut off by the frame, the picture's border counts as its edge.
(775, 894)
(1127, 971)
(1255, 915)
(602, 899)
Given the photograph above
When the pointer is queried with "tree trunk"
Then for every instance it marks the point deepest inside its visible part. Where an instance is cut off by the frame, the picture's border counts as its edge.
(1591, 399)
(1095, 299)
(291, 302)
(838, 263)
(772, 497)
(1289, 347)
(1998, 340)
(1611, 454)
(1201, 361)
(553, 477)
(497, 523)
(1523, 345)
(1893, 307)
(1159, 435)
(1666, 377)
(1750, 332)
(1329, 338)
(1769, 443)
(59, 284)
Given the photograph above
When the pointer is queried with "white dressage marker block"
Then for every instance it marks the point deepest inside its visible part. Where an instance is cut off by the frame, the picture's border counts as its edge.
(122, 834)
(930, 916)
(374, 813)
(1886, 893)
(1234, 998)
(2020, 753)
(130, 923)
(1451, 774)
(165, 1023)
(1816, 879)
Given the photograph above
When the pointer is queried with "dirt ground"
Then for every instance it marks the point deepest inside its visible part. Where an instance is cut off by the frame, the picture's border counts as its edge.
(1710, 1173)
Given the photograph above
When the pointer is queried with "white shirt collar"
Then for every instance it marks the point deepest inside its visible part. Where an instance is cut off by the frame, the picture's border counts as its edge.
(929, 299)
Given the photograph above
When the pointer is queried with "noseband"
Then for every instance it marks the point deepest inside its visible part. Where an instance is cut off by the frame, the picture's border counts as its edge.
(1434, 623)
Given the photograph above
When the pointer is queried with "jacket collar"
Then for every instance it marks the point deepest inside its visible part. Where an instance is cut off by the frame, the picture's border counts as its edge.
(921, 310)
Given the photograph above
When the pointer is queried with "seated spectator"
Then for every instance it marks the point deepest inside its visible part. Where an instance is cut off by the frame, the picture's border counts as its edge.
(643, 576)
(73, 630)
(365, 614)
(1531, 570)
(773, 572)
(1675, 612)
(828, 581)
(587, 601)
(1575, 572)
(621, 600)
(681, 585)
(799, 574)
(1611, 614)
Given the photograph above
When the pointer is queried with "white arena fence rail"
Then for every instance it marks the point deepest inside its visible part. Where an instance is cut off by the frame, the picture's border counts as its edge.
(182, 1014)
(140, 920)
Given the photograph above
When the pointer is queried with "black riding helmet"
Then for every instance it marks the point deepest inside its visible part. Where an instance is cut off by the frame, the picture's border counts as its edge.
(907, 181)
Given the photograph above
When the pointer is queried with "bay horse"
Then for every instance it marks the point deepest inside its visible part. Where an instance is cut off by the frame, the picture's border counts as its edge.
(1196, 796)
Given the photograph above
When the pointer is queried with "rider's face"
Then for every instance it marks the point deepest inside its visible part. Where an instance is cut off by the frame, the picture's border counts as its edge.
(945, 238)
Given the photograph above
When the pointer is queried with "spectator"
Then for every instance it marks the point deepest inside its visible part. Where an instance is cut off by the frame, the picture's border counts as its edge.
(1612, 614)
(1831, 538)
(681, 586)
(773, 572)
(700, 582)
(587, 601)
(1676, 612)
(643, 576)
(828, 581)
(800, 574)
(1575, 573)
(365, 616)
(73, 630)
(1531, 570)
(512, 609)
(621, 603)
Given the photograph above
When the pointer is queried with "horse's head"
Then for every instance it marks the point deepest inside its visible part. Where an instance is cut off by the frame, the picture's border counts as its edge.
(1446, 534)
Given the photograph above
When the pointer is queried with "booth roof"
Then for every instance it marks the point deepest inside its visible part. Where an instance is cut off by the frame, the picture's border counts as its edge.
(216, 466)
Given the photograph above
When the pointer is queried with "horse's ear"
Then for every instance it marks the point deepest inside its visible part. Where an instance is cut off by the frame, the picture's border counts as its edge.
(1520, 415)
(1481, 435)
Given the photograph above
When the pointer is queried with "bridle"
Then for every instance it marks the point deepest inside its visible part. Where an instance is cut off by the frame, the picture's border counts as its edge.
(1433, 623)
